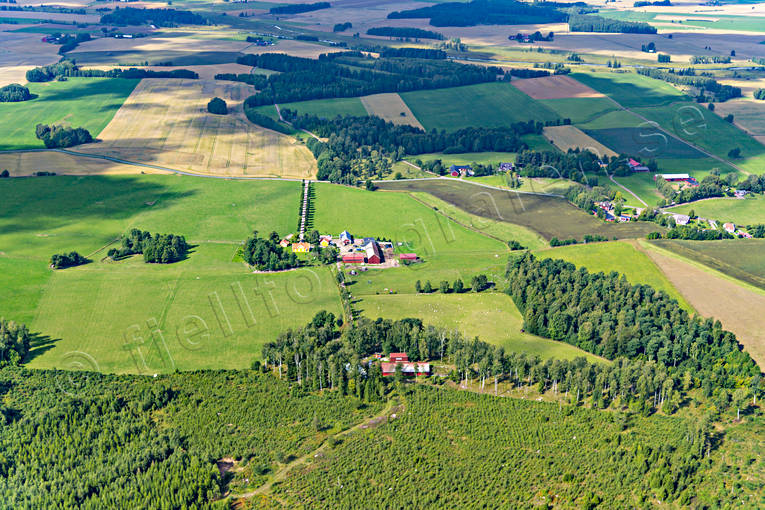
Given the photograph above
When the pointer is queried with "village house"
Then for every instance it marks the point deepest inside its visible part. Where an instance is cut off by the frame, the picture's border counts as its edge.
(397, 357)
(506, 167)
(345, 237)
(284, 243)
(681, 219)
(325, 240)
(636, 166)
(461, 170)
(729, 227)
(301, 247)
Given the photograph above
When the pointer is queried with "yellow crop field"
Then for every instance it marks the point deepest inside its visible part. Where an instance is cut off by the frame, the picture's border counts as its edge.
(390, 107)
(27, 163)
(570, 137)
(165, 122)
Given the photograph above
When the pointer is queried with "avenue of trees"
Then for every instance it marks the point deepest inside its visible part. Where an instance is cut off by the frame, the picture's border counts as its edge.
(267, 255)
(352, 74)
(62, 136)
(156, 248)
(14, 93)
(688, 77)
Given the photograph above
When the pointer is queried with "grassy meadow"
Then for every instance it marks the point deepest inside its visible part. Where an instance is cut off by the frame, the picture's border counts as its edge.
(631, 89)
(749, 211)
(327, 108)
(580, 109)
(79, 102)
(107, 310)
(485, 104)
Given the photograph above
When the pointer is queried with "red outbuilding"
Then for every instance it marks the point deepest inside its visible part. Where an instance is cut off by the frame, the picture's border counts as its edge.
(353, 258)
(396, 357)
(408, 256)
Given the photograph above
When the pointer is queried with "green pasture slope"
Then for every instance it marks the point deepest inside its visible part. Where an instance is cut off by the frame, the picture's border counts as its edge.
(105, 311)
(739, 258)
(631, 89)
(80, 102)
(580, 109)
(749, 211)
(327, 108)
(621, 257)
(482, 105)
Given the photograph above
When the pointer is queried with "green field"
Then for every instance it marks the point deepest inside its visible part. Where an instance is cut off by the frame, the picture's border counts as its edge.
(643, 185)
(485, 104)
(327, 108)
(137, 57)
(631, 89)
(580, 109)
(467, 158)
(492, 316)
(106, 309)
(739, 258)
(80, 102)
(645, 142)
(749, 211)
(548, 216)
(613, 120)
(621, 257)
(529, 184)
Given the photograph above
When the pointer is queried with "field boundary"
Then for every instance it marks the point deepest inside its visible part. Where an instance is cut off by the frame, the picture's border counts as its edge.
(474, 184)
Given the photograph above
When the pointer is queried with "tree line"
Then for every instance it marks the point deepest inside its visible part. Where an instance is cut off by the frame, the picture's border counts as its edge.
(156, 248)
(267, 255)
(351, 74)
(160, 17)
(427, 53)
(298, 8)
(487, 12)
(405, 33)
(688, 77)
(592, 23)
(14, 344)
(67, 68)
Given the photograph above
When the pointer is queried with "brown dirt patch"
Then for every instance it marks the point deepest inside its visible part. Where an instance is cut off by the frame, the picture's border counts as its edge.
(570, 137)
(554, 87)
(27, 163)
(165, 122)
(738, 308)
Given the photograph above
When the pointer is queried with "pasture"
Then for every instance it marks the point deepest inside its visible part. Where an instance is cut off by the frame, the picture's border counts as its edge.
(646, 141)
(391, 108)
(467, 158)
(738, 258)
(483, 105)
(326, 108)
(631, 89)
(642, 185)
(580, 109)
(165, 122)
(737, 307)
(622, 257)
(568, 138)
(741, 212)
(78, 102)
(548, 216)
(492, 316)
(107, 309)
(747, 115)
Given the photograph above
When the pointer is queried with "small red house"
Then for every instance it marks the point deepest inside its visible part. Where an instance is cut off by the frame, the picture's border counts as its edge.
(408, 368)
(397, 357)
(408, 256)
(353, 258)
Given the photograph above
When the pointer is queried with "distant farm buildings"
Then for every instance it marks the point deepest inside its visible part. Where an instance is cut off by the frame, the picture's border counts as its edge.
(411, 257)
(372, 249)
(729, 227)
(461, 170)
(677, 178)
(301, 247)
(506, 167)
(401, 360)
(636, 166)
(681, 219)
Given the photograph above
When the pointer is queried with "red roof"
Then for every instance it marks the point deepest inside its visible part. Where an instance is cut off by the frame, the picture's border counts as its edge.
(408, 256)
(354, 258)
(633, 162)
(397, 355)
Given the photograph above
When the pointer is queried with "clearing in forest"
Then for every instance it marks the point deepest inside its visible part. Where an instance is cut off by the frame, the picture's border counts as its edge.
(570, 137)
(391, 108)
(555, 87)
(165, 122)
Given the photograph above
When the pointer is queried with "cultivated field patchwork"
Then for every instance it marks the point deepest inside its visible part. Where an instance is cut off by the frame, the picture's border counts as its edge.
(391, 108)
(165, 122)
(571, 137)
(555, 87)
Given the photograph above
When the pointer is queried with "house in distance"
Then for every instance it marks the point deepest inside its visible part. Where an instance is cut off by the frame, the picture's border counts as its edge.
(407, 368)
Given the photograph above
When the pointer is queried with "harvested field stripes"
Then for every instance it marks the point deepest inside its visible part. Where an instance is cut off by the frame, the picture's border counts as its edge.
(391, 108)
(570, 137)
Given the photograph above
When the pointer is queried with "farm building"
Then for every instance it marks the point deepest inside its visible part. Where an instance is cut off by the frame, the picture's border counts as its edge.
(284, 243)
(325, 240)
(407, 368)
(354, 258)
(301, 247)
(463, 170)
(637, 166)
(681, 219)
(729, 227)
(673, 177)
(346, 237)
(374, 256)
(412, 257)
(397, 357)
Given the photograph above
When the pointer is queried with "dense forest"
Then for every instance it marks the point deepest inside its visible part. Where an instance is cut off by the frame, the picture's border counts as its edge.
(67, 68)
(350, 74)
(487, 12)
(159, 17)
(405, 33)
(56, 137)
(688, 76)
(14, 93)
(592, 23)
(267, 255)
(298, 8)
(156, 248)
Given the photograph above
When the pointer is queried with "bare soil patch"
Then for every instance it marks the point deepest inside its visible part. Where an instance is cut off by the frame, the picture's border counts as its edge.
(738, 308)
(390, 107)
(570, 137)
(27, 163)
(165, 122)
(554, 87)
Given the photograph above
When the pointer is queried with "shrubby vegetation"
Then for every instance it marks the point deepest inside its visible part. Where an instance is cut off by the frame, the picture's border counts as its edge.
(710, 186)
(14, 347)
(159, 17)
(265, 121)
(14, 93)
(342, 27)
(267, 254)
(705, 59)
(217, 106)
(487, 12)
(71, 259)
(592, 23)
(351, 74)
(55, 137)
(405, 33)
(156, 248)
(657, 3)
(299, 8)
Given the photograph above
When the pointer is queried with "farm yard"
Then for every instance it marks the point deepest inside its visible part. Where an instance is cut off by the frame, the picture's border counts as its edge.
(749, 211)
(164, 122)
(79, 102)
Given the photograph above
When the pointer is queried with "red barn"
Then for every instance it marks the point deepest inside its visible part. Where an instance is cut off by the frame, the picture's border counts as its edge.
(353, 258)
(373, 253)
(396, 357)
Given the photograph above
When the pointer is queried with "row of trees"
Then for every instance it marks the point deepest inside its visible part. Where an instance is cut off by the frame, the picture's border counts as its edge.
(67, 68)
(479, 283)
(405, 33)
(352, 74)
(62, 136)
(688, 77)
(299, 8)
(267, 255)
(64, 260)
(427, 53)
(156, 248)
(14, 93)
(486, 12)
(692, 233)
